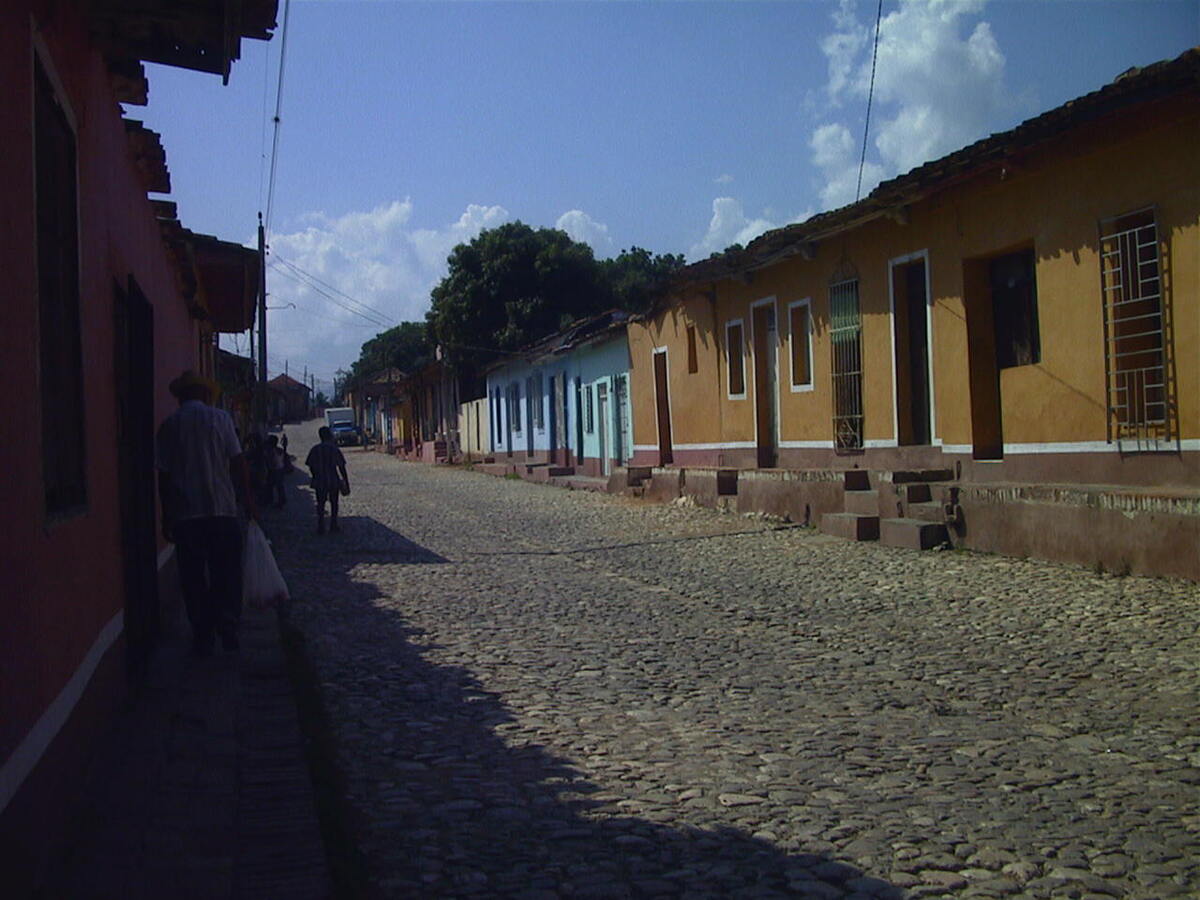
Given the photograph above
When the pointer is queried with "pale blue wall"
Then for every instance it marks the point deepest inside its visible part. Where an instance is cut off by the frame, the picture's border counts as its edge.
(592, 365)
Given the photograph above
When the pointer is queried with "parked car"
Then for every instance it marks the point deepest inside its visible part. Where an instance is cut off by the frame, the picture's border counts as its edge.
(345, 433)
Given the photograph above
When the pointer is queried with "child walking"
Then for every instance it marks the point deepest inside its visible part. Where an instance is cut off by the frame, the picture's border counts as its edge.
(329, 478)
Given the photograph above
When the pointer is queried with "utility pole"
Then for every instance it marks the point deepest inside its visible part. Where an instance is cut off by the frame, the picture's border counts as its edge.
(262, 326)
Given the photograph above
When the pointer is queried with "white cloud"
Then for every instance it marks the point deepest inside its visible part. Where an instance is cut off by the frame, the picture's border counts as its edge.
(836, 154)
(728, 225)
(377, 257)
(583, 228)
(939, 84)
(723, 179)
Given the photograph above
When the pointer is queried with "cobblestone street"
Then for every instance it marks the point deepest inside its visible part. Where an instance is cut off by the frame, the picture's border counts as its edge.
(538, 693)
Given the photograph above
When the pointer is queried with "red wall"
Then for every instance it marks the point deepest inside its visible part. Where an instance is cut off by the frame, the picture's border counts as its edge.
(60, 582)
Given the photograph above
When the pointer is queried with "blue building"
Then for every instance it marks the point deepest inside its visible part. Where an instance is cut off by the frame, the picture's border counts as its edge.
(563, 402)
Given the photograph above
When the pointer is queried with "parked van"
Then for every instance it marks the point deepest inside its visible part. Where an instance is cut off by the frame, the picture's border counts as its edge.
(340, 420)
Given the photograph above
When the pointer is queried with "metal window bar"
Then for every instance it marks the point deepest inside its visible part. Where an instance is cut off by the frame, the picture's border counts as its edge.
(1139, 395)
(846, 342)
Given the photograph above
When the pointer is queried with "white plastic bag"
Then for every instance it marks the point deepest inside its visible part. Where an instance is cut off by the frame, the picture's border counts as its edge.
(262, 585)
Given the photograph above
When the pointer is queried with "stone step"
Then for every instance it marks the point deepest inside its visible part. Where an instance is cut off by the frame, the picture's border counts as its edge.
(917, 493)
(497, 469)
(857, 480)
(931, 511)
(912, 534)
(584, 483)
(850, 526)
(636, 475)
(862, 503)
(922, 476)
(561, 471)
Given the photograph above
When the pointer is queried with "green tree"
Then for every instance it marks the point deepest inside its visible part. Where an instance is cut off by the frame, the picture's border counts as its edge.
(635, 277)
(510, 286)
(405, 347)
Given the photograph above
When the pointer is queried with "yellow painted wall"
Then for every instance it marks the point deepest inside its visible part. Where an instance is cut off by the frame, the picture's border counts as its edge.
(1052, 199)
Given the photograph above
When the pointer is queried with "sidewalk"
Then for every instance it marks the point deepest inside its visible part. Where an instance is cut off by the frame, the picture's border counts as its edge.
(202, 790)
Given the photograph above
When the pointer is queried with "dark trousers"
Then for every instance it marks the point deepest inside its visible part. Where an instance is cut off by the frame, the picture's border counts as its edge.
(210, 573)
(332, 496)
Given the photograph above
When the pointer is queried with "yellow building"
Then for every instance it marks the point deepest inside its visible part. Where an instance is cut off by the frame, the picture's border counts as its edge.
(1014, 326)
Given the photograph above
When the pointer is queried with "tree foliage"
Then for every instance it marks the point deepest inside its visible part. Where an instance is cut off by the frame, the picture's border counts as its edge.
(635, 276)
(509, 286)
(514, 285)
(405, 347)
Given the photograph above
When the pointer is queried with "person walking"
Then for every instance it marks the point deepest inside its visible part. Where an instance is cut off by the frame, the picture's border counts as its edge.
(275, 457)
(201, 476)
(329, 478)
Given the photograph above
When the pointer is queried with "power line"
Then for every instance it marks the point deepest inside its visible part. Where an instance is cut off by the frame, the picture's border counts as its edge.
(862, 160)
(291, 265)
(287, 6)
(376, 320)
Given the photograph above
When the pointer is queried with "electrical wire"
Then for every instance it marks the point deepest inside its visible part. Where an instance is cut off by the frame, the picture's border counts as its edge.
(376, 320)
(299, 271)
(287, 6)
(862, 160)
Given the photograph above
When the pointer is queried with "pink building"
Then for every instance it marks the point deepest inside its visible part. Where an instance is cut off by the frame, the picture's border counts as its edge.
(106, 299)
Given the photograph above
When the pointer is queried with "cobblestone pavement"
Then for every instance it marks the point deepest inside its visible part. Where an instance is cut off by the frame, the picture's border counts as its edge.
(540, 693)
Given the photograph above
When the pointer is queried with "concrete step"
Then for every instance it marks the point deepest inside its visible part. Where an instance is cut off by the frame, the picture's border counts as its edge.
(926, 512)
(636, 475)
(917, 493)
(922, 476)
(862, 503)
(912, 534)
(857, 480)
(850, 526)
(583, 483)
(497, 469)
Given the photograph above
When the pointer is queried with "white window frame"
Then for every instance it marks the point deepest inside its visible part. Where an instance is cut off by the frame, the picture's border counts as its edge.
(810, 385)
(729, 359)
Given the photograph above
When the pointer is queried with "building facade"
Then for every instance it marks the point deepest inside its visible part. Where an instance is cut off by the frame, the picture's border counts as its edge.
(1019, 315)
(107, 300)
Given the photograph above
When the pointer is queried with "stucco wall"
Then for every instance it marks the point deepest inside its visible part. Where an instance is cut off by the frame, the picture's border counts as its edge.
(1052, 199)
(63, 575)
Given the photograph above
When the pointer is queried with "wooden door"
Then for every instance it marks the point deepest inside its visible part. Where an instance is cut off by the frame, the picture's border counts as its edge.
(663, 406)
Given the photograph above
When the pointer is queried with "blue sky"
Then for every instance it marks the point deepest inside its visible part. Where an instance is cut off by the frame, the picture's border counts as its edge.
(676, 126)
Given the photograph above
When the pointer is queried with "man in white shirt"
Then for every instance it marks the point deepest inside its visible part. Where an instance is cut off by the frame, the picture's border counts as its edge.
(200, 461)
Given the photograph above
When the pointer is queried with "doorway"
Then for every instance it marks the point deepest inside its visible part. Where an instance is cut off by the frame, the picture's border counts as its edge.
(662, 405)
(766, 383)
(602, 426)
(134, 377)
(910, 338)
(621, 398)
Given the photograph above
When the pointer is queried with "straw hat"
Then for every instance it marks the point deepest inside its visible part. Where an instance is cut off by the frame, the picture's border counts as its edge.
(188, 380)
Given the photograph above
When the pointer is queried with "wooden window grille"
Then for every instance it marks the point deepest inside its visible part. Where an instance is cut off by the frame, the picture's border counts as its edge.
(514, 406)
(590, 411)
(735, 354)
(59, 327)
(537, 398)
(1140, 386)
(692, 361)
(799, 333)
(847, 371)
